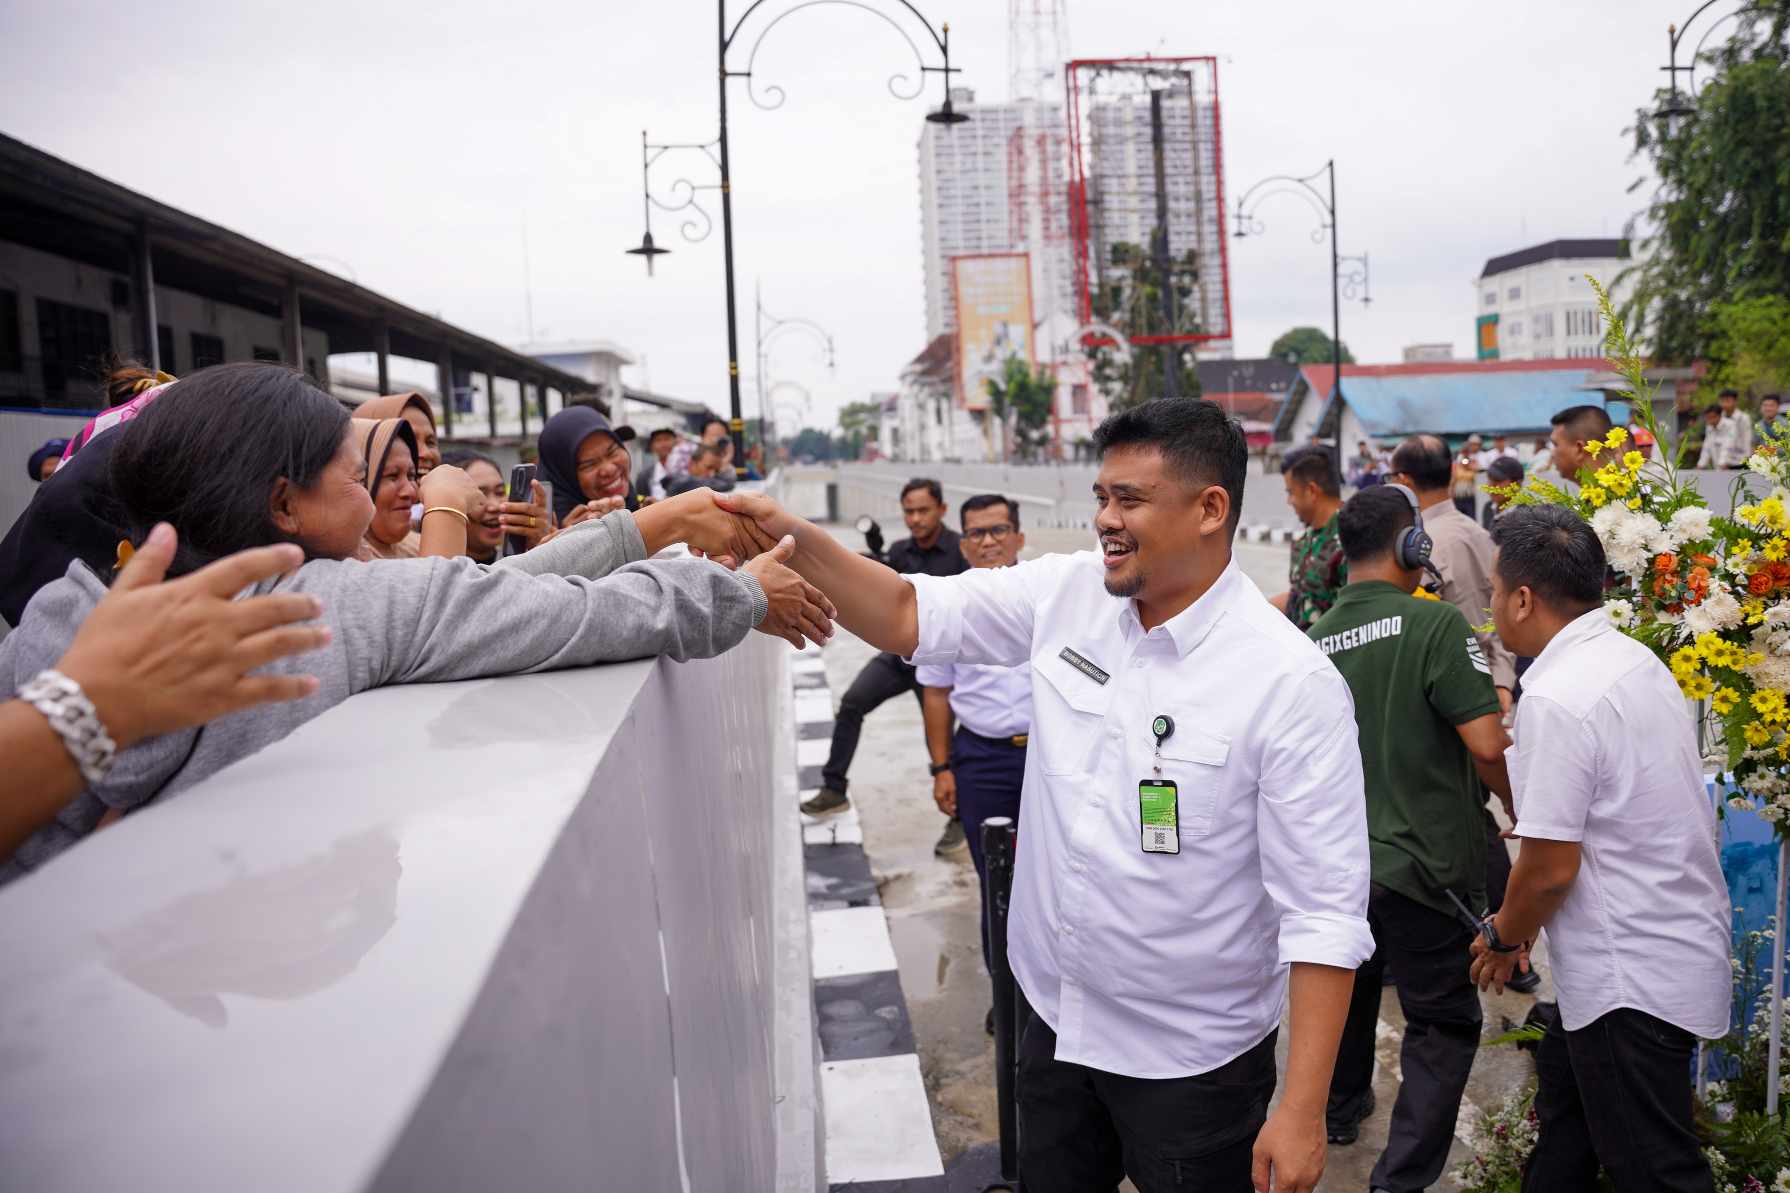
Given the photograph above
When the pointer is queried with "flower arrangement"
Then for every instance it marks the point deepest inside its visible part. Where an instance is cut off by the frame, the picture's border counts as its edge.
(1710, 594)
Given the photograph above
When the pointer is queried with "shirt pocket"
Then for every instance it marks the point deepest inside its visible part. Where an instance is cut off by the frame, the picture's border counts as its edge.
(1068, 716)
(1195, 760)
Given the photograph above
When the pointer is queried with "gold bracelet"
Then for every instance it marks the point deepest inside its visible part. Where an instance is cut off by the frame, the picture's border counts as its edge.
(447, 509)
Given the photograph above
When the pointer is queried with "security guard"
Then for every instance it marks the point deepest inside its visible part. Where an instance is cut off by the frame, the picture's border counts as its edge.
(1430, 729)
(978, 771)
(1195, 856)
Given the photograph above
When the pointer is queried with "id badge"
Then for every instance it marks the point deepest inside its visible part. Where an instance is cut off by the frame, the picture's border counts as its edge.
(1159, 811)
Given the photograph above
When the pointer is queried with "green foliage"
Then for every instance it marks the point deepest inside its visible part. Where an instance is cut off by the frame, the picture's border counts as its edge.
(1721, 214)
(1129, 297)
(1750, 345)
(1021, 402)
(1307, 346)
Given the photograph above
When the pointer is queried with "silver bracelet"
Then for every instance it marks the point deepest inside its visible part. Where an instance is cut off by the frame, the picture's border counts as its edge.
(73, 717)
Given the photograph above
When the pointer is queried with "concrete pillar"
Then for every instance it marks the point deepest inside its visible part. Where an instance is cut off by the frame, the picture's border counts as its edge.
(491, 397)
(293, 319)
(382, 347)
(143, 280)
(444, 385)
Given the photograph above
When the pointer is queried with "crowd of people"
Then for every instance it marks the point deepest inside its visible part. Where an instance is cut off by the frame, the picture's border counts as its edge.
(1235, 813)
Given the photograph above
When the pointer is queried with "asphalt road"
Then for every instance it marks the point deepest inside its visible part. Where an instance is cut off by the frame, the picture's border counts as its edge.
(933, 907)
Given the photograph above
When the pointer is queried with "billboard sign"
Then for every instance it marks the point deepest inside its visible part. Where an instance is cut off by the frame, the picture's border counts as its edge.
(993, 293)
(1486, 334)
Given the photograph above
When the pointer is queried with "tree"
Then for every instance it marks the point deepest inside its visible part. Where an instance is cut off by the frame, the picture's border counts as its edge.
(812, 443)
(1307, 346)
(1719, 221)
(1129, 297)
(1021, 402)
(858, 421)
(1749, 347)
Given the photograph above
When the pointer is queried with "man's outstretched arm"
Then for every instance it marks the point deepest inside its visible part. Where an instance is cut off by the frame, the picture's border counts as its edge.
(871, 601)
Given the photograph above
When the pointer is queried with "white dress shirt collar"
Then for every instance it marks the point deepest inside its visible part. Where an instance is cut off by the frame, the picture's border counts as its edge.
(1188, 628)
(1580, 629)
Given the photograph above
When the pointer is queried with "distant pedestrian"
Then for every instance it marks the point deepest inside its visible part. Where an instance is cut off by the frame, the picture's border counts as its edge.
(1769, 409)
(1464, 482)
(1618, 866)
(1728, 439)
(1317, 570)
(1502, 473)
(44, 460)
(1573, 428)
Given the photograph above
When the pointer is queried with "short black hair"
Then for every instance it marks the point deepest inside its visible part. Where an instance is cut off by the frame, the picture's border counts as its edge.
(923, 482)
(1311, 465)
(1554, 553)
(705, 450)
(1370, 522)
(1583, 422)
(711, 420)
(463, 457)
(1196, 437)
(1505, 470)
(1728, 393)
(658, 431)
(982, 501)
(1426, 460)
(1771, 398)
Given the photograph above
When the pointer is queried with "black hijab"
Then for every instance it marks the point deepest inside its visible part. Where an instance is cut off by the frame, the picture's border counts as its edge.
(73, 515)
(560, 440)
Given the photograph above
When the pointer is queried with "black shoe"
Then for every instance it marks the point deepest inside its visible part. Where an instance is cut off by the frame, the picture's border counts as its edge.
(826, 803)
(1342, 1134)
(951, 843)
(1524, 983)
(988, 1023)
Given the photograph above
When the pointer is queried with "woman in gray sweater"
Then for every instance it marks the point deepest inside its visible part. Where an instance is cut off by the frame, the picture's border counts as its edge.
(244, 455)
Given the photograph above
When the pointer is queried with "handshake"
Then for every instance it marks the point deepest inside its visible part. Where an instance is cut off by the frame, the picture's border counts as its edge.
(752, 533)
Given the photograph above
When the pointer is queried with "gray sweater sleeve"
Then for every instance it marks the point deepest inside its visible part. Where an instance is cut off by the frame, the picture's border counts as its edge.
(590, 549)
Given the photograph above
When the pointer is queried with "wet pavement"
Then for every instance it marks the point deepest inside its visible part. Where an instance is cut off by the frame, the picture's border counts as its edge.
(933, 910)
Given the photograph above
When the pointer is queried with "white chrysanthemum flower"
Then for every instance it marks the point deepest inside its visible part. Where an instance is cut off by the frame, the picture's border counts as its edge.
(1760, 464)
(1621, 612)
(1698, 619)
(1723, 609)
(1778, 614)
(1690, 524)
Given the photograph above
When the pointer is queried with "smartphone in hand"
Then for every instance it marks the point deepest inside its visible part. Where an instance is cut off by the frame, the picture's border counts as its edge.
(521, 479)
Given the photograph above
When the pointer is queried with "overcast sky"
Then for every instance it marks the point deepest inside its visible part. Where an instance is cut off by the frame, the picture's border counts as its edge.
(416, 142)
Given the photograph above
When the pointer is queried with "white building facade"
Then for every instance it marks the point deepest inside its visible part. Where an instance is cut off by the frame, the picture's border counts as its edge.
(1536, 304)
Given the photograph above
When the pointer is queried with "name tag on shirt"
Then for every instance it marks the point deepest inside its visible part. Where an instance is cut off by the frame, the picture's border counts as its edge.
(1160, 813)
(1084, 665)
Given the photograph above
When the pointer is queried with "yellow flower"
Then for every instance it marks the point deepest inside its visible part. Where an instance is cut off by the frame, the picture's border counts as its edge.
(1756, 734)
(1634, 503)
(1769, 703)
(1755, 612)
(1593, 447)
(1698, 687)
(1686, 662)
(1742, 549)
(1616, 437)
(1424, 594)
(1771, 512)
(1592, 495)
(1774, 550)
(1754, 659)
(1621, 484)
(1724, 700)
(1633, 461)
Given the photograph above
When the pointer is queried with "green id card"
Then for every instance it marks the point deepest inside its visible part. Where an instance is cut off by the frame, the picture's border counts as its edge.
(1159, 810)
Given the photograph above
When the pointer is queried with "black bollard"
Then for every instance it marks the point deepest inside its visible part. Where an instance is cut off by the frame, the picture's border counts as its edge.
(998, 838)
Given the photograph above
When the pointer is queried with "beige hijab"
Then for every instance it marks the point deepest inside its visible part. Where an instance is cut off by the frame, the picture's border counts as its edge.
(376, 437)
(392, 406)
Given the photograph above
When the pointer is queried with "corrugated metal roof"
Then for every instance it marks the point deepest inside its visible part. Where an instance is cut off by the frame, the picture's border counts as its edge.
(1461, 403)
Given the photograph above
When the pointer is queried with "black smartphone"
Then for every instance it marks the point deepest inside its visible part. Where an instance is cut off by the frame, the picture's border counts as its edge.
(521, 486)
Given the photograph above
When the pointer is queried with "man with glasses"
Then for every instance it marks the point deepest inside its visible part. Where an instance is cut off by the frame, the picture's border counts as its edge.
(977, 772)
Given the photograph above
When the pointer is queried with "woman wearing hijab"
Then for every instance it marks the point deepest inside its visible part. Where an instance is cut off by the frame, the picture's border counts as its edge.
(449, 499)
(586, 462)
(418, 415)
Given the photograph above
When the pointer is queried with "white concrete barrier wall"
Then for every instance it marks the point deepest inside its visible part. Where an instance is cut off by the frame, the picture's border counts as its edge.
(523, 933)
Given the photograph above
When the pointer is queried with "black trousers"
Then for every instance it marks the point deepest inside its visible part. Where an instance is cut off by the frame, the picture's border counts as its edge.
(1617, 1092)
(990, 773)
(1083, 1131)
(1429, 956)
(882, 679)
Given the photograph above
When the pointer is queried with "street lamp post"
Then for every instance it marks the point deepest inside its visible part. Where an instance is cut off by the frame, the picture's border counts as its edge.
(767, 328)
(1679, 104)
(900, 85)
(1355, 281)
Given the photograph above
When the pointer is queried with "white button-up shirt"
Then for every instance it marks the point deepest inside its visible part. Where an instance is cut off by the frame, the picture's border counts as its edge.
(990, 701)
(1605, 754)
(1153, 964)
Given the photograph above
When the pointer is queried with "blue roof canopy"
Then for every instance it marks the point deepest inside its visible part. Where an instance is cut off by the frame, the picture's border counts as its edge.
(1463, 403)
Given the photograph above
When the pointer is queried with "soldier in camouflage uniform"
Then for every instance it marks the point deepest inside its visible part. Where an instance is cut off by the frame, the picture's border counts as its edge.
(1318, 570)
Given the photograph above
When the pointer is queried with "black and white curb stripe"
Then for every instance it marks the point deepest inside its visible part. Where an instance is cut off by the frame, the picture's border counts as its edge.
(1266, 534)
(879, 1136)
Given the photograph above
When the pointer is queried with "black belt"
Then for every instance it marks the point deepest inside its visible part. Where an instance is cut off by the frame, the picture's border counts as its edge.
(1017, 741)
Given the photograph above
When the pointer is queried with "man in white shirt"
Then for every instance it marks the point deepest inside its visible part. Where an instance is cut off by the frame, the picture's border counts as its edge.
(979, 770)
(1193, 858)
(1729, 442)
(654, 474)
(1618, 865)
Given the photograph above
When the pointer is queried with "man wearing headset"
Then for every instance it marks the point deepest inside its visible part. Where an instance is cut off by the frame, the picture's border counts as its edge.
(1430, 728)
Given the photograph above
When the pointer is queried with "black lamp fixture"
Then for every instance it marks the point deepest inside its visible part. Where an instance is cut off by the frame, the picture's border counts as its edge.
(647, 249)
(1681, 105)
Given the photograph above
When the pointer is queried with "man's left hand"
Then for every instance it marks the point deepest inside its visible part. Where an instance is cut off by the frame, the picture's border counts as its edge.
(1289, 1152)
(1493, 969)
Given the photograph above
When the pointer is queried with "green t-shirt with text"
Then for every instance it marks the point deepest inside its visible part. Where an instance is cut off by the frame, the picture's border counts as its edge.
(1416, 672)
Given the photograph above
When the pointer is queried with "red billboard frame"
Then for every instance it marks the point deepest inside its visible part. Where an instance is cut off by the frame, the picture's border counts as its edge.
(1078, 192)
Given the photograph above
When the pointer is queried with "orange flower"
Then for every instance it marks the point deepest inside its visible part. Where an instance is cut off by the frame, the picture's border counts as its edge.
(1703, 561)
(1664, 586)
(1780, 573)
(1666, 562)
(1759, 583)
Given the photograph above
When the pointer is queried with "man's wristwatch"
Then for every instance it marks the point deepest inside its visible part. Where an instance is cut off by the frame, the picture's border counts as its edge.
(1492, 941)
(939, 768)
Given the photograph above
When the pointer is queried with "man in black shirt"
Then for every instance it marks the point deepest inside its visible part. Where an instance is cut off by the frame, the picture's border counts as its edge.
(932, 550)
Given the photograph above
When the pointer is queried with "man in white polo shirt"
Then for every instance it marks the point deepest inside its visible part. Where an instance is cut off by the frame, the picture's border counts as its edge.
(1618, 865)
(1193, 857)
